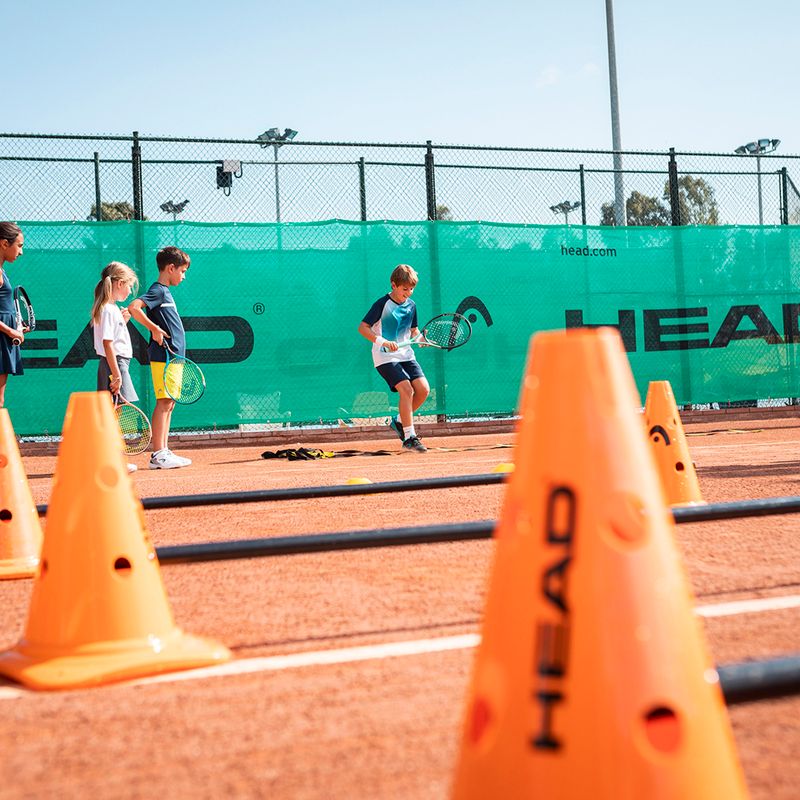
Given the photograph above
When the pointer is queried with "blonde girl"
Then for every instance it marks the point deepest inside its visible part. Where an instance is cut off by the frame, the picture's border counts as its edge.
(112, 342)
(11, 242)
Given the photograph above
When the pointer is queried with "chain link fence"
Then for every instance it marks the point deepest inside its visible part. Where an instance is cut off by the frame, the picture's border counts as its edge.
(66, 177)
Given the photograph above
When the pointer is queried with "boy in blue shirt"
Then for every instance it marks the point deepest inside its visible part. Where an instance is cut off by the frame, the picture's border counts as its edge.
(163, 321)
(390, 324)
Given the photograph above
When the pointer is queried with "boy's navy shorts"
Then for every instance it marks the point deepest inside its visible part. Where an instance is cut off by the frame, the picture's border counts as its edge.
(398, 371)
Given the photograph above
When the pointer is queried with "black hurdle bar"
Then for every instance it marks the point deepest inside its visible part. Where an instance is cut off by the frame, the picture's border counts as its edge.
(760, 680)
(313, 492)
(323, 542)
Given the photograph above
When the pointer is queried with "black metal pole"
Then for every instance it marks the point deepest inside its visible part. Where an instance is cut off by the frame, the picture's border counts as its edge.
(97, 202)
(784, 196)
(136, 163)
(674, 195)
(430, 182)
(362, 188)
(583, 196)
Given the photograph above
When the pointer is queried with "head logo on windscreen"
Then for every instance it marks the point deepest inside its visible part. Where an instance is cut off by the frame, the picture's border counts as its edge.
(476, 304)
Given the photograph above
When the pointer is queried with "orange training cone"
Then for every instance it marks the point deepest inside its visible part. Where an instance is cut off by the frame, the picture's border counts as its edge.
(98, 611)
(592, 679)
(20, 531)
(675, 465)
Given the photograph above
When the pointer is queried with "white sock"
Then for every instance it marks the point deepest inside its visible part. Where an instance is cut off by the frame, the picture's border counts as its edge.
(409, 431)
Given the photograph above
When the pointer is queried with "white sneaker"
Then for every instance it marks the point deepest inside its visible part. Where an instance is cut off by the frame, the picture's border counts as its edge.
(184, 461)
(163, 459)
(132, 468)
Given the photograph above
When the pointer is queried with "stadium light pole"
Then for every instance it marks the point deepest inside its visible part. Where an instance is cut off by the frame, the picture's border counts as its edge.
(616, 138)
(756, 149)
(565, 208)
(277, 139)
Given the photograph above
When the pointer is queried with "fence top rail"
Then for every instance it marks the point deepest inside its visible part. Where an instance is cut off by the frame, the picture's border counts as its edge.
(414, 145)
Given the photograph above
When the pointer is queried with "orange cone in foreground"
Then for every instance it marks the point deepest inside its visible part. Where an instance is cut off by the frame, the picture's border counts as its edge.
(664, 427)
(592, 679)
(99, 612)
(20, 531)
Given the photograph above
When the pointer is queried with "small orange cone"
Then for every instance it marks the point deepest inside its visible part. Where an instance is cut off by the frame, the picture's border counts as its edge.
(592, 679)
(98, 612)
(664, 427)
(20, 530)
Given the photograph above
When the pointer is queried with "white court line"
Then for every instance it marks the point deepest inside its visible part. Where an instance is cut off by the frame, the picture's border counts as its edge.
(350, 655)
(749, 606)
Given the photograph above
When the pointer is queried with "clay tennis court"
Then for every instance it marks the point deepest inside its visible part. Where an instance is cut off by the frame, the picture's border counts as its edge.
(351, 668)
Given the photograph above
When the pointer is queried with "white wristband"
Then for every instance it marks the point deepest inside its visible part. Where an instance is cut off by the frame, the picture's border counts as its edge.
(380, 341)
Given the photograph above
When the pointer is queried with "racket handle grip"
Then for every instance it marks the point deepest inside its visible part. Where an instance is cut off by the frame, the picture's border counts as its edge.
(16, 342)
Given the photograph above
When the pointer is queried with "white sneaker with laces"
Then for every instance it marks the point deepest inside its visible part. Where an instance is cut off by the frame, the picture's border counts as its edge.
(163, 459)
(184, 461)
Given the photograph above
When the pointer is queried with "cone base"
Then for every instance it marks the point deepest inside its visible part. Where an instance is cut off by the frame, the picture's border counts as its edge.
(102, 663)
(18, 567)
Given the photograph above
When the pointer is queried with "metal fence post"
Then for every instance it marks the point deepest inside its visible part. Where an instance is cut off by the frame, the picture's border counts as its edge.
(430, 181)
(362, 188)
(583, 195)
(783, 191)
(97, 204)
(674, 196)
(136, 163)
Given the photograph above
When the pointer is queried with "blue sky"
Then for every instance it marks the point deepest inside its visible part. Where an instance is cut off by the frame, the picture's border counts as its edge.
(704, 76)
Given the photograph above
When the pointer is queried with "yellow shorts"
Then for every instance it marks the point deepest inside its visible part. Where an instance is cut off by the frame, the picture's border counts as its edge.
(175, 378)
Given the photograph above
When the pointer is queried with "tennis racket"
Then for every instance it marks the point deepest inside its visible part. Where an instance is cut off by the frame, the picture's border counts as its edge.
(183, 379)
(134, 425)
(445, 331)
(26, 319)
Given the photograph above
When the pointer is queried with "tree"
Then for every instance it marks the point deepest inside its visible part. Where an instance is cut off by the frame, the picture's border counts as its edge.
(696, 201)
(640, 209)
(443, 212)
(111, 212)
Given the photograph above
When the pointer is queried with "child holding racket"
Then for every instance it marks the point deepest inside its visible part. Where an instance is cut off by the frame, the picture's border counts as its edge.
(11, 243)
(112, 342)
(161, 318)
(390, 322)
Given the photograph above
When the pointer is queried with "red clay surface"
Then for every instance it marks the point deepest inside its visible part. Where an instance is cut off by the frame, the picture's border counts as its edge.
(379, 728)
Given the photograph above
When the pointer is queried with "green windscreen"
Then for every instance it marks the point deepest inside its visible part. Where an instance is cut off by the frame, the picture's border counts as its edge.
(272, 312)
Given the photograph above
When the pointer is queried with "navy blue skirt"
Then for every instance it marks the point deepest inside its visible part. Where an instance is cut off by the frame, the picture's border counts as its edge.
(10, 357)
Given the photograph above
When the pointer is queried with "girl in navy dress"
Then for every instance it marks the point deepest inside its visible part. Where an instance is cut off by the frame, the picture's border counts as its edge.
(11, 242)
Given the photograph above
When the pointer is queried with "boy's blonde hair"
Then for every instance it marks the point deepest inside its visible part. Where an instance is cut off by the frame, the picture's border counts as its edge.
(404, 275)
(103, 292)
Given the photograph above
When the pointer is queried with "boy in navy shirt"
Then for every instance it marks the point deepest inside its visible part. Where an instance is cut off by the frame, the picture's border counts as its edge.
(390, 324)
(163, 321)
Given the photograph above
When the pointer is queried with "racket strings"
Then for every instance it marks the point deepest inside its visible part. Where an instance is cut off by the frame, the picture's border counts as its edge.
(135, 428)
(184, 381)
(26, 315)
(448, 332)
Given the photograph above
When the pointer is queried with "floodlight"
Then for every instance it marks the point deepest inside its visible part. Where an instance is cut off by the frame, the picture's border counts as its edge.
(757, 149)
(565, 207)
(276, 139)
